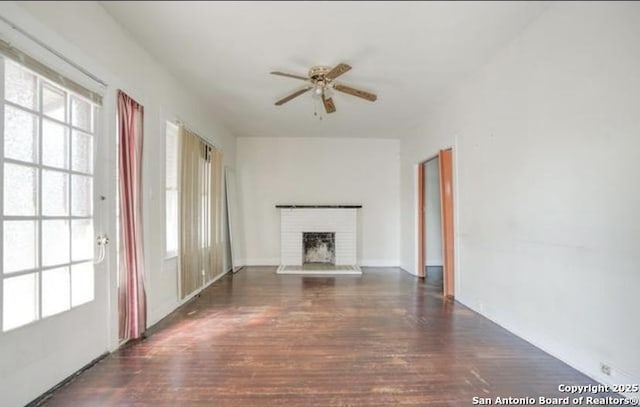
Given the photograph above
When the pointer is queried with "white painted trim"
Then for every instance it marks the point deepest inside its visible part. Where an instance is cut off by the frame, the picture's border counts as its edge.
(204, 287)
(161, 312)
(110, 190)
(170, 306)
(379, 263)
(414, 215)
(273, 261)
(165, 121)
(2, 200)
(406, 271)
(567, 354)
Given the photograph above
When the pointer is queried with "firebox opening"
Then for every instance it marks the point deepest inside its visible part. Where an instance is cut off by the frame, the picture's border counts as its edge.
(318, 247)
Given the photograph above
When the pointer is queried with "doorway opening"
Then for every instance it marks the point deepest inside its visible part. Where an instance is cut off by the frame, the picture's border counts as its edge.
(435, 221)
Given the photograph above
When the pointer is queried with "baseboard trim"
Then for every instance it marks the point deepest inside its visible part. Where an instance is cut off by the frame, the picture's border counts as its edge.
(40, 400)
(379, 263)
(170, 307)
(585, 365)
(408, 272)
(164, 310)
(262, 262)
(197, 292)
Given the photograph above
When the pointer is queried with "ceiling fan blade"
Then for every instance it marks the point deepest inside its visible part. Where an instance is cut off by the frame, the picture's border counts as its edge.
(337, 71)
(293, 95)
(355, 92)
(329, 106)
(289, 75)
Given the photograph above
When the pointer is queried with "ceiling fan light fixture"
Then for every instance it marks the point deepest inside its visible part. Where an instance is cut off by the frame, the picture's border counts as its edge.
(328, 92)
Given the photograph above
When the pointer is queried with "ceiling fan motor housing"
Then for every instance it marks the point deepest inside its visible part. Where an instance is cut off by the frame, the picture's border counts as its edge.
(318, 73)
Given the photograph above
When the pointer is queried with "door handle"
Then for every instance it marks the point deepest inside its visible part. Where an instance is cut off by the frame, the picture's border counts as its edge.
(102, 241)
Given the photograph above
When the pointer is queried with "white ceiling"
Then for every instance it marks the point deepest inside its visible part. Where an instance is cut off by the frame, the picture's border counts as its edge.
(409, 53)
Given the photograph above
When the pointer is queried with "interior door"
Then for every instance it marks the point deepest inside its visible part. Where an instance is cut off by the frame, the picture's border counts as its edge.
(49, 207)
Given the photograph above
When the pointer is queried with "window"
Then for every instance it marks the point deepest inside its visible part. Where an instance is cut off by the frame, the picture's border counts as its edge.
(171, 190)
(47, 206)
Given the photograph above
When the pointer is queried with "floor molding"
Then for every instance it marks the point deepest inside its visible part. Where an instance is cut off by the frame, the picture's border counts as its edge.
(49, 393)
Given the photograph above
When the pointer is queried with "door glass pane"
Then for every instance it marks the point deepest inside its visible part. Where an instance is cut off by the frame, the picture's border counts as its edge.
(81, 195)
(56, 291)
(81, 283)
(82, 152)
(20, 190)
(20, 86)
(55, 193)
(20, 239)
(20, 301)
(55, 242)
(55, 144)
(20, 135)
(54, 103)
(81, 239)
(81, 114)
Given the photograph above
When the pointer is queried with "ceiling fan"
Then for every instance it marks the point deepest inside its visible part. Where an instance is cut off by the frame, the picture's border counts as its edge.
(321, 80)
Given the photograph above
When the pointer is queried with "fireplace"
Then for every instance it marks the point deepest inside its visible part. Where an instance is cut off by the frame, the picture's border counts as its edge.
(318, 247)
(319, 239)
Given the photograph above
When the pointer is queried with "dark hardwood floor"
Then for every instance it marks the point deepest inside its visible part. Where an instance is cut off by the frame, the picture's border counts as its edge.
(259, 339)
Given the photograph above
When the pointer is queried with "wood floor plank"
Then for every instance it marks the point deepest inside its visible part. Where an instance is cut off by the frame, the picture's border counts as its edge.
(260, 339)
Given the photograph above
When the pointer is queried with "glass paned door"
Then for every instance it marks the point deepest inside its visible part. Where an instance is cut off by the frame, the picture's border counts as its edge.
(47, 208)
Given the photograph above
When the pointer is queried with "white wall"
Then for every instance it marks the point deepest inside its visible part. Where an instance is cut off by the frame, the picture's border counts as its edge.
(38, 356)
(546, 142)
(320, 171)
(432, 216)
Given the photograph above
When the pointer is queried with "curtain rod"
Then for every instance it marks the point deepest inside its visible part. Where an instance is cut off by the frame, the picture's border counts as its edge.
(53, 51)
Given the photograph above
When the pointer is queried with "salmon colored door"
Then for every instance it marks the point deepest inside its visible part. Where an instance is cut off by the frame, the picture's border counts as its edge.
(421, 202)
(446, 198)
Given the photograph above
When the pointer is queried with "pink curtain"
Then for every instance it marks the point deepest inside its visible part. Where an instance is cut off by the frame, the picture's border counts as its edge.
(131, 293)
